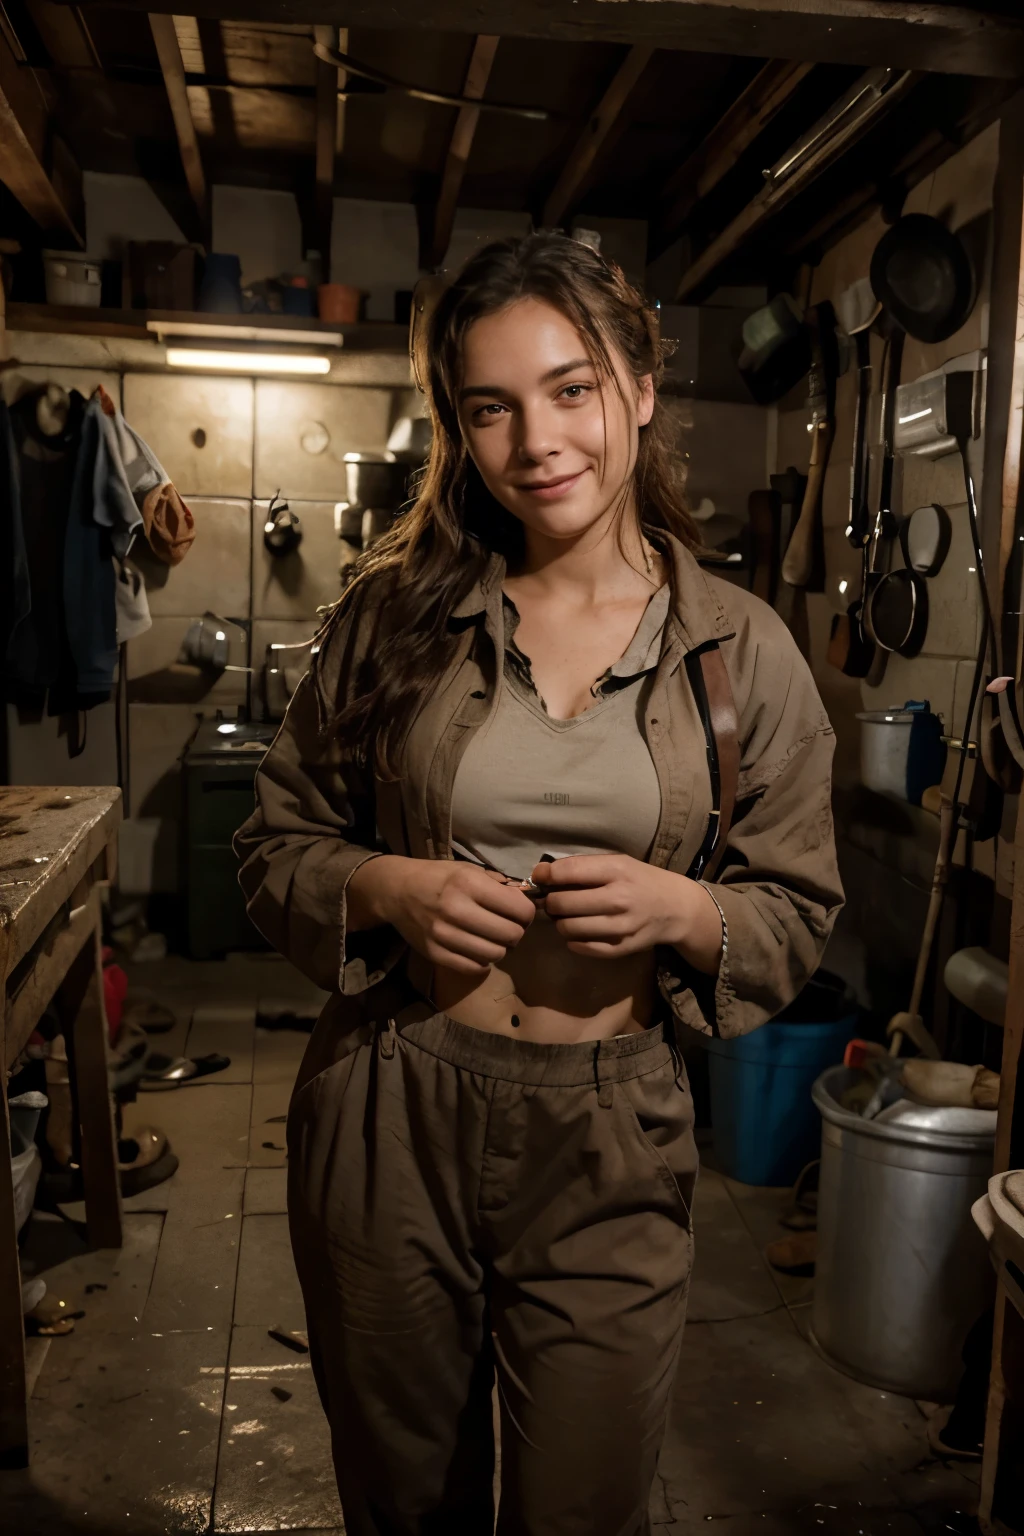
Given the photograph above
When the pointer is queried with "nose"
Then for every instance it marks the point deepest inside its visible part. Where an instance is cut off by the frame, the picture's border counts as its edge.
(538, 437)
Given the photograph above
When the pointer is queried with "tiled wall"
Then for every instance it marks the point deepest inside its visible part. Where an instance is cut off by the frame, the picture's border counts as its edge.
(228, 444)
(887, 928)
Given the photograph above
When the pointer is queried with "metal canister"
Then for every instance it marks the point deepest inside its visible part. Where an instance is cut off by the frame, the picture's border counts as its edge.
(902, 1272)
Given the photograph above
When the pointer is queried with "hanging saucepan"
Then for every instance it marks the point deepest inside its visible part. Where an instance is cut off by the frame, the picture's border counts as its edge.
(898, 611)
(923, 275)
(925, 538)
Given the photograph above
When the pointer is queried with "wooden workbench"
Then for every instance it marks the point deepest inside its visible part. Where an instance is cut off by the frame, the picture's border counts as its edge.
(56, 850)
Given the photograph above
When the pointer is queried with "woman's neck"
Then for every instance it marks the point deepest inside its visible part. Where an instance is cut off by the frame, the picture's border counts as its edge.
(604, 562)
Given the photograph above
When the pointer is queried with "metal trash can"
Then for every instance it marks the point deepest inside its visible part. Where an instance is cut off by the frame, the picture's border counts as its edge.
(902, 1271)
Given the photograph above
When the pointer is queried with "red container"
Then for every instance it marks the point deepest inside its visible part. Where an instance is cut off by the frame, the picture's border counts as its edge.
(338, 303)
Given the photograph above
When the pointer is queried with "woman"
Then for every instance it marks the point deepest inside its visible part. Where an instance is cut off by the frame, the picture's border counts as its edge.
(491, 1153)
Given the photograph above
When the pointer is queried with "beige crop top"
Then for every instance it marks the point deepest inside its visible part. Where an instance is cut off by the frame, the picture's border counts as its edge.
(528, 783)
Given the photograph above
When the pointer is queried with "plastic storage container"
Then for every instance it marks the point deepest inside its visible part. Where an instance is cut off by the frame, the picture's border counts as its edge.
(901, 750)
(71, 279)
(765, 1126)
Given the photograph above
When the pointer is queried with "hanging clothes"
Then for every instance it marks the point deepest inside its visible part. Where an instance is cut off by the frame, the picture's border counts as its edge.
(72, 503)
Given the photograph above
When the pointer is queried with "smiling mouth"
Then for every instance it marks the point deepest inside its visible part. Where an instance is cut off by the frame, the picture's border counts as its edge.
(551, 488)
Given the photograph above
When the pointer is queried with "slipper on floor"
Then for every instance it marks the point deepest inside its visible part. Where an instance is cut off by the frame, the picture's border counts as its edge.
(794, 1255)
(145, 1146)
(135, 1180)
(144, 1013)
(171, 1071)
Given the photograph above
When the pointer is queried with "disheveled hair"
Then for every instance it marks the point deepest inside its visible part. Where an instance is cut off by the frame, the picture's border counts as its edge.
(441, 544)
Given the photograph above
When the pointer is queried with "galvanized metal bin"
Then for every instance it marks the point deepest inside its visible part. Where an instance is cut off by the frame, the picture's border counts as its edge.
(902, 1271)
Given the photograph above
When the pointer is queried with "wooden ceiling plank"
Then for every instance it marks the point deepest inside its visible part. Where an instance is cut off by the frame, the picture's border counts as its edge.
(731, 136)
(443, 222)
(579, 166)
(907, 34)
(168, 51)
(25, 176)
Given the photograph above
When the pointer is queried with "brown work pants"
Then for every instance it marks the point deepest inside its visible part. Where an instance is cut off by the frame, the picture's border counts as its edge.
(462, 1205)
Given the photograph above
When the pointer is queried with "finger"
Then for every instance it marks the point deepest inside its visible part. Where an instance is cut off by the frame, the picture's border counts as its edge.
(465, 914)
(450, 961)
(578, 869)
(507, 900)
(589, 929)
(599, 951)
(582, 901)
(449, 936)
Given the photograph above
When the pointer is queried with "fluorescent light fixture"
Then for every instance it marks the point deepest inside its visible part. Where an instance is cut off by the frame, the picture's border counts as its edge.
(200, 330)
(247, 362)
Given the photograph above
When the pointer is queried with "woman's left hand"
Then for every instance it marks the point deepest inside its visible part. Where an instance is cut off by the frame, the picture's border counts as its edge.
(607, 905)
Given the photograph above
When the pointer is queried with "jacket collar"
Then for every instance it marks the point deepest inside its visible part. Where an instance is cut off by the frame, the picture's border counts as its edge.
(699, 616)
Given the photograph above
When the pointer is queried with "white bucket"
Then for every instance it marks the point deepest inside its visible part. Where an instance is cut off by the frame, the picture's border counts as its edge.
(71, 279)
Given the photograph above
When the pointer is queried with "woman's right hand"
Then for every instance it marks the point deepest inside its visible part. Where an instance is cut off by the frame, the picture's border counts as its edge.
(458, 915)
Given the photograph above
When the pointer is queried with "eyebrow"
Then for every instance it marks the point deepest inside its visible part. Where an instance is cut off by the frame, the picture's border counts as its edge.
(548, 378)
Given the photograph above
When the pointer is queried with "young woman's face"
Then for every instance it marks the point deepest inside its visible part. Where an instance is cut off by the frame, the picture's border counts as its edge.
(553, 442)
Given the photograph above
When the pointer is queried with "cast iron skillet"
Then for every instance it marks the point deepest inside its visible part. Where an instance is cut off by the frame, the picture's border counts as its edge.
(923, 275)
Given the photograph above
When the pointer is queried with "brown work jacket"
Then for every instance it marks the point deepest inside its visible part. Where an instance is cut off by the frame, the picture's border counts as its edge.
(320, 813)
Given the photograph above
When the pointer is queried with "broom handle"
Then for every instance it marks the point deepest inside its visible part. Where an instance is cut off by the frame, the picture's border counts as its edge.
(940, 876)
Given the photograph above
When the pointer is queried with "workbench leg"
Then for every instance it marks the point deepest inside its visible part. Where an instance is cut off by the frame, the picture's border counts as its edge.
(13, 1407)
(80, 1004)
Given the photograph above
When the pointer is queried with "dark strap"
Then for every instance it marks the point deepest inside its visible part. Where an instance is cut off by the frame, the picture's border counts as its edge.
(717, 707)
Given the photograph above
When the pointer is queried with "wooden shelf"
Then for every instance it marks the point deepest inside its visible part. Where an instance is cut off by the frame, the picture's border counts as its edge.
(131, 324)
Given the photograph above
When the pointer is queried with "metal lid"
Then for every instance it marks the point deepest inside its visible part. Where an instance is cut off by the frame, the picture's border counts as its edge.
(913, 1126)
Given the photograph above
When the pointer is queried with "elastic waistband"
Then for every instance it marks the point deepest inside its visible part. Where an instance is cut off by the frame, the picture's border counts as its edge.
(530, 1061)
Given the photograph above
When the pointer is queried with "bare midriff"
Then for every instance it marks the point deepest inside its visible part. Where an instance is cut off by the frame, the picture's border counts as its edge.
(544, 992)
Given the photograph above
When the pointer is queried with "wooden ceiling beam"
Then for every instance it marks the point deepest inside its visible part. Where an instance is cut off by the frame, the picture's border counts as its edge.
(35, 166)
(731, 136)
(903, 33)
(578, 168)
(168, 52)
(442, 220)
(831, 146)
(330, 129)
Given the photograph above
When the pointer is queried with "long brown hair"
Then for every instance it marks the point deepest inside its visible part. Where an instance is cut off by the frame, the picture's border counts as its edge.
(441, 545)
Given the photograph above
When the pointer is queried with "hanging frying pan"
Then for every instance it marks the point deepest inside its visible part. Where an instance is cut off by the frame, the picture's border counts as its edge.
(898, 611)
(923, 275)
(925, 539)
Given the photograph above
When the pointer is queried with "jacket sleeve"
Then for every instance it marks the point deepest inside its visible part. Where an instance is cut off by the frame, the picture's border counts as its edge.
(778, 887)
(313, 826)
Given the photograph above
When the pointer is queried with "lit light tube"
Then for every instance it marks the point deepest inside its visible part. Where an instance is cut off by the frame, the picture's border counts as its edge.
(246, 362)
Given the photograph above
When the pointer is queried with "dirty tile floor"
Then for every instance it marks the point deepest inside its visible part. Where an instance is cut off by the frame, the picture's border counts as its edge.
(171, 1410)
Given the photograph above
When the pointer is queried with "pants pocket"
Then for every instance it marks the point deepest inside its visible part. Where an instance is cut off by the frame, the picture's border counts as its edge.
(660, 1114)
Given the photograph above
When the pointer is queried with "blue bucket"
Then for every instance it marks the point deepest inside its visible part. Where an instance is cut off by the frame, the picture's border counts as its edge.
(764, 1123)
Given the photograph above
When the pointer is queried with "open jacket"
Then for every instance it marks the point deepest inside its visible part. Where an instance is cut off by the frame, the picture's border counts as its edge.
(320, 813)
